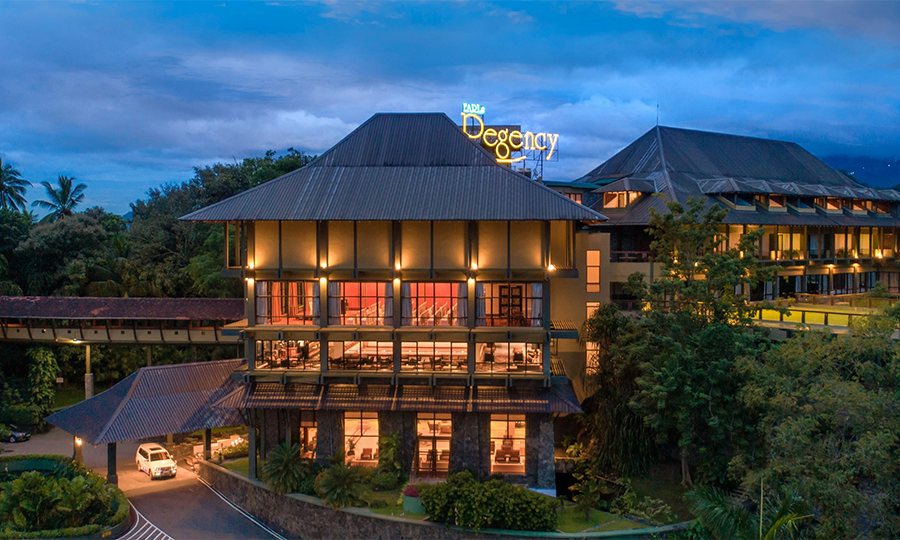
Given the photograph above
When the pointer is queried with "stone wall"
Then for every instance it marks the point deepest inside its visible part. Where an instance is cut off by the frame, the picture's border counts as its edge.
(539, 462)
(404, 425)
(299, 516)
(470, 444)
(329, 434)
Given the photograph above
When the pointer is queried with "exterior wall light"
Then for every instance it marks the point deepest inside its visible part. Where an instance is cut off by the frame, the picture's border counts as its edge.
(323, 280)
(474, 266)
(396, 281)
(324, 265)
(397, 266)
(551, 267)
(78, 441)
(471, 281)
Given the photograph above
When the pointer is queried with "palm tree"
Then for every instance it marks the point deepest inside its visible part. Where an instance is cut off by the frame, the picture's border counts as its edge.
(727, 518)
(12, 188)
(62, 201)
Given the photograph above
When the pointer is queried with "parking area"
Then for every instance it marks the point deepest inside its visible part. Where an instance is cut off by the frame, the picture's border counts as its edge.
(182, 507)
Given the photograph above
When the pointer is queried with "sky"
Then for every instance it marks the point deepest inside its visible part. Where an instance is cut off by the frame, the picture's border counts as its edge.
(126, 96)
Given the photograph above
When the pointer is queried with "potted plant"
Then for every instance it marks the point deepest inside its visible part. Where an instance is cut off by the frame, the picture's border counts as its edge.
(412, 502)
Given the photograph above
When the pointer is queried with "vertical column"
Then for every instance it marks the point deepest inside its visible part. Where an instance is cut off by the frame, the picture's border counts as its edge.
(88, 376)
(539, 462)
(207, 443)
(252, 443)
(330, 434)
(545, 313)
(111, 476)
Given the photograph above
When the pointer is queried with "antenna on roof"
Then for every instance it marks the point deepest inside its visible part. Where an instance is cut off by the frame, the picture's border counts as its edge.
(657, 112)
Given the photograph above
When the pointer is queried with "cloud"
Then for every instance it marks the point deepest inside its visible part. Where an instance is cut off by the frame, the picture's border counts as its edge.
(849, 19)
(516, 17)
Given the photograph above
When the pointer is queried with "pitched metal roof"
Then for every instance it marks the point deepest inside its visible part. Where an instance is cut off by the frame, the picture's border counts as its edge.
(182, 309)
(559, 398)
(400, 167)
(155, 401)
(682, 163)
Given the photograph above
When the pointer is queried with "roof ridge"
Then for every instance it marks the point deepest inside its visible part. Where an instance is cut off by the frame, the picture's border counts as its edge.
(206, 363)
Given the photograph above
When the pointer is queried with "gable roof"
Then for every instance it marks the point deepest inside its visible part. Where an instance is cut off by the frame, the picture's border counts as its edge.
(154, 401)
(683, 163)
(400, 167)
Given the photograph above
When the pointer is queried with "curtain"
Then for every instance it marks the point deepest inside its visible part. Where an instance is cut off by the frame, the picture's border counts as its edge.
(388, 303)
(462, 302)
(334, 302)
(316, 308)
(406, 303)
(262, 306)
(537, 304)
(480, 312)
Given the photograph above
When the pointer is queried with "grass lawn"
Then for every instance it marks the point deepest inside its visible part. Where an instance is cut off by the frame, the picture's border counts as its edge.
(66, 395)
(390, 498)
(240, 466)
(664, 482)
(572, 520)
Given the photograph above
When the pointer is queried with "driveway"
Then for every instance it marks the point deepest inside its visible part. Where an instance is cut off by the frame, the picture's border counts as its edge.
(182, 507)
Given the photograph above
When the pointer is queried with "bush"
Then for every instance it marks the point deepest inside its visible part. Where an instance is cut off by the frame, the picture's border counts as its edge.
(340, 485)
(493, 504)
(233, 452)
(385, 481)
(285, 468)
(21, 415)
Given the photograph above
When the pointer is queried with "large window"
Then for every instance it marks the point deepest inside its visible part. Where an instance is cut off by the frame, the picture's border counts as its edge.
(434, 304)
(287, 354)
(509, 304)
(361, 355)
(360, 303)
(361, 438)
(433, 456)
(619, 199)
(287, 302)
(591, 350)
(434, 356)
(508, 443)
(593, 270)
(508, 357)
(307, 435)
(577, 197)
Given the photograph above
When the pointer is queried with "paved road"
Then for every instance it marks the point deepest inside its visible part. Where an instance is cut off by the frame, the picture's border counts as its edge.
(182, 507)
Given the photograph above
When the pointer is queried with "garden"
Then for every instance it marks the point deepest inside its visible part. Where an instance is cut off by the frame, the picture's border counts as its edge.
(52, 496)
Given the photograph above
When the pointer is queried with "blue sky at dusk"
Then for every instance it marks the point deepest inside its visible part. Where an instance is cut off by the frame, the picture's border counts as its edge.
(128, 96)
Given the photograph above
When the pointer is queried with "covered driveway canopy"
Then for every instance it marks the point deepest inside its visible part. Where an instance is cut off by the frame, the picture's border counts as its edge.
(155, 401)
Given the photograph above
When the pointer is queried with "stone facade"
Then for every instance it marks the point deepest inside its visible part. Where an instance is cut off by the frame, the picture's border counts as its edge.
(539, 462)
(404, 425)
(329, 434)
(470, 444)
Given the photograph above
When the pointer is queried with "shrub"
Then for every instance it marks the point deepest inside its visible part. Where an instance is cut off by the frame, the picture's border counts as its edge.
(652, 512)
(285, 468)
(493, 504)
(385, 481)
(340, 485)
(234, 452)
(21, 415)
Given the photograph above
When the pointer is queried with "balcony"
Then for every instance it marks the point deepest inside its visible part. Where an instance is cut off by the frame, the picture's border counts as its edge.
(629, 256)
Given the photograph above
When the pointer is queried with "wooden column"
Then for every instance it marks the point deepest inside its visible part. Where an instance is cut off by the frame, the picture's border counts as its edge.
(88, 376)
(111, 476)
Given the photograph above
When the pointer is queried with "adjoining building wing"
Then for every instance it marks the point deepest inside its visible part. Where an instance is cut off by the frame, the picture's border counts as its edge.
(397, 167)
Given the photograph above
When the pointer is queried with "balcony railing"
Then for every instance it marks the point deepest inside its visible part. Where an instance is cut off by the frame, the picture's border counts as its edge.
(629, 256)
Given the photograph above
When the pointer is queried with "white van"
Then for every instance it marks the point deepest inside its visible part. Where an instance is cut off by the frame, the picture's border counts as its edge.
(155, 460)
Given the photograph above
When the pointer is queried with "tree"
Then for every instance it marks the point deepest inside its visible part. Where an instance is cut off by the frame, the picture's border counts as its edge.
(12, 188)
(61, 202)
(727, 517)
(829, 419)
(284, 468)
(42, 378)
(340, 485)
(697, 322)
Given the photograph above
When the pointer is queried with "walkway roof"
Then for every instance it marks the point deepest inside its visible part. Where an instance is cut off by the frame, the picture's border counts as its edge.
(155, 401)
(395, 167)
(70, 308)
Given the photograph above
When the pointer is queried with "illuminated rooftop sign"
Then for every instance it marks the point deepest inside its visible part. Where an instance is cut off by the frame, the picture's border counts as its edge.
(473, 108)
(504, 141)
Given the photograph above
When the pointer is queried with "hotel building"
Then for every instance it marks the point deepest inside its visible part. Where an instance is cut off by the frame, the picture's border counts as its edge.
(405, 283)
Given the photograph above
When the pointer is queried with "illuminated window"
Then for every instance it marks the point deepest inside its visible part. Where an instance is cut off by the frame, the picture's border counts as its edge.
(434, 356)
(593, 270)
(434, 304)
(508, 443)
(307, 436)
(619, 199)
(577, 197)
(883, 207)
(509, 304)
(433, 448)
(361, 355)
(777, 201)
(360, 303)
(287, 302)
(287, 354)
(361, 438)
(830, 204)
(504, 357)
(591, 350)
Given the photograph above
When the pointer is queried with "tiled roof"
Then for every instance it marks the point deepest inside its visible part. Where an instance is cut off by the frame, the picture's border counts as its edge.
(400, 167)
(155, 401)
